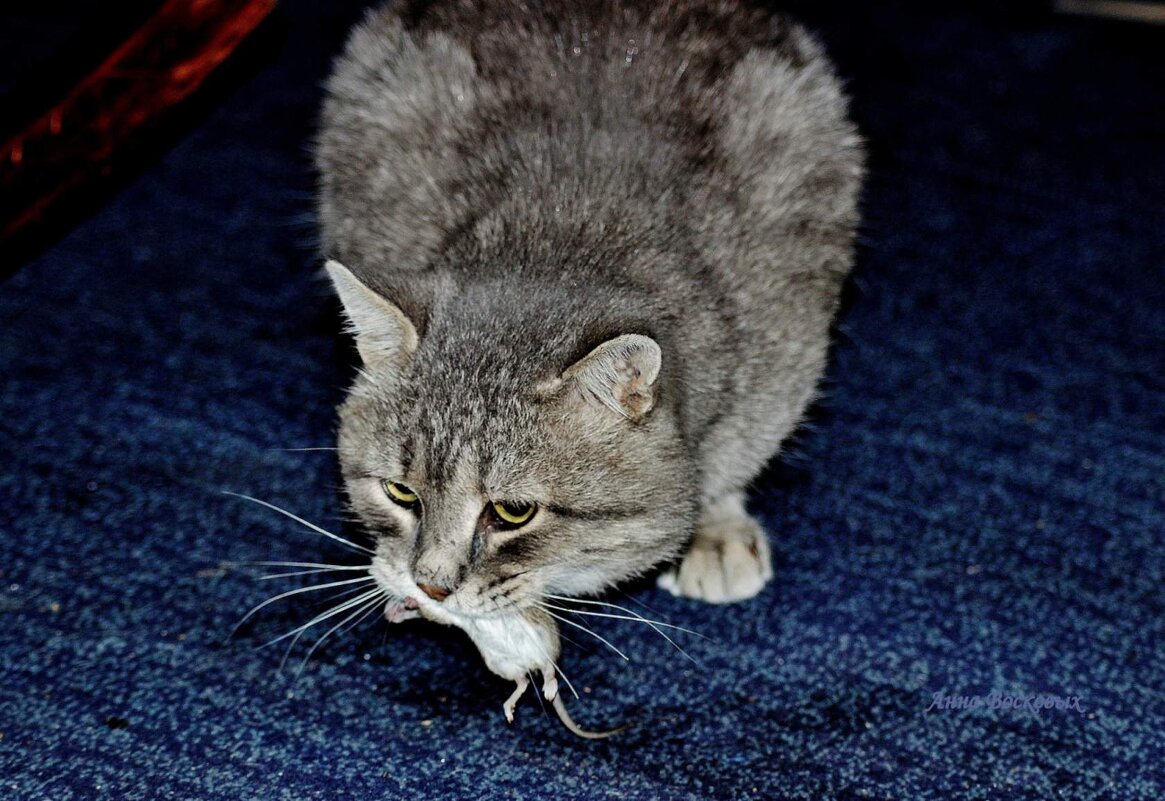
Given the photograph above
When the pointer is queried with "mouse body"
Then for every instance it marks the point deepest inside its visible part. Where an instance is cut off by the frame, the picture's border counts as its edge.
(516, 647)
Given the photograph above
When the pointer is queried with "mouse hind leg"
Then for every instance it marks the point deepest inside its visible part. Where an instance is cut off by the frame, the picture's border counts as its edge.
(549, 683)
(512, 701)
(729, 560)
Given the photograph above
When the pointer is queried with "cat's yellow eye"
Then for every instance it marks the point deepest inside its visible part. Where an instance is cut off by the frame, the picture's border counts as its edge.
(399, 493)
(513, 513)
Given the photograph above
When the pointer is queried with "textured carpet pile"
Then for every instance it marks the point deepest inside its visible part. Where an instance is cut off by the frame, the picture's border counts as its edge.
(977, 506)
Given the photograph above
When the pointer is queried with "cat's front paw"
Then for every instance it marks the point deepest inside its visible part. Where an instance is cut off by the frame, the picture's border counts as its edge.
(729, 561)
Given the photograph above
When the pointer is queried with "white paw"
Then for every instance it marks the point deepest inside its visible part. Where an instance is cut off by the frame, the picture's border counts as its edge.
(729, 561)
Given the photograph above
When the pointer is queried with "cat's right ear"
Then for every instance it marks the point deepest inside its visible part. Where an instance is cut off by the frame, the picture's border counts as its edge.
(383, 332)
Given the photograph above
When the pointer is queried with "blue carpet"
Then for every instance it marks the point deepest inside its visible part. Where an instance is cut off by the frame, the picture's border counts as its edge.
(977, 507)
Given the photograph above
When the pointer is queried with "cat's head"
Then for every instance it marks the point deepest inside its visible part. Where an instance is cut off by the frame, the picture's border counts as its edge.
(494, 464)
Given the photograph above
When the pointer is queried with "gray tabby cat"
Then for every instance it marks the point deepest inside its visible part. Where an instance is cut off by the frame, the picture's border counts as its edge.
(590, 253)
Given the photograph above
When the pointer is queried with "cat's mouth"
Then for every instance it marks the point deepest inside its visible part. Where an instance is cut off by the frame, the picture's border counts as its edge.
(410, 608)
(409, 601)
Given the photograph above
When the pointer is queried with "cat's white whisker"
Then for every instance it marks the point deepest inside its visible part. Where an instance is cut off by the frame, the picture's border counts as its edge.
(287, 651)
(346, 593)
(336, 610)
(303, 564)
(655, 625)
(314, 571)
(294, 640)
(297, 591)
(363, 610)
(640, 603)
(375, 604)
(581, 627)
(560, 672)
(296, 518)
(633, 615)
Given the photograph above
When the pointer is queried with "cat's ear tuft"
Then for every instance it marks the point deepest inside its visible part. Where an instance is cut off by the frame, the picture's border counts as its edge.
(619, 374)
(382, 330)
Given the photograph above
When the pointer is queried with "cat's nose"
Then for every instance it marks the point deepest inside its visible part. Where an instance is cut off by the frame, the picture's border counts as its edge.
(434, 592)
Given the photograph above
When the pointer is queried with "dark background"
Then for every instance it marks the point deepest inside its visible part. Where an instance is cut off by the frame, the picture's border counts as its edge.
(977, 505)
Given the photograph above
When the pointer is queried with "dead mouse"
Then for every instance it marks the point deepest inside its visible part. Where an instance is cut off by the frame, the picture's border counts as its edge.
(514, 647)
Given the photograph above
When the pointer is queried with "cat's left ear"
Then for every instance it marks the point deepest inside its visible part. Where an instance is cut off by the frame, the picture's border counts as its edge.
(382, 330)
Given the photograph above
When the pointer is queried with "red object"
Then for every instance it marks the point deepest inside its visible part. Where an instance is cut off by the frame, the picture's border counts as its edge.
(81, 138)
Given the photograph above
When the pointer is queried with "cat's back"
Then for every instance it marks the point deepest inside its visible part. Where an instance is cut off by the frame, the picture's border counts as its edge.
(439, 111)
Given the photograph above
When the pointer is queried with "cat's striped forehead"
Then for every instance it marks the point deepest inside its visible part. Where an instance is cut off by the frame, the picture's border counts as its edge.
(469, 447)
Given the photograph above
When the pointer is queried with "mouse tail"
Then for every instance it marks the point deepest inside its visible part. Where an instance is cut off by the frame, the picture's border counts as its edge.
(579, 731)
